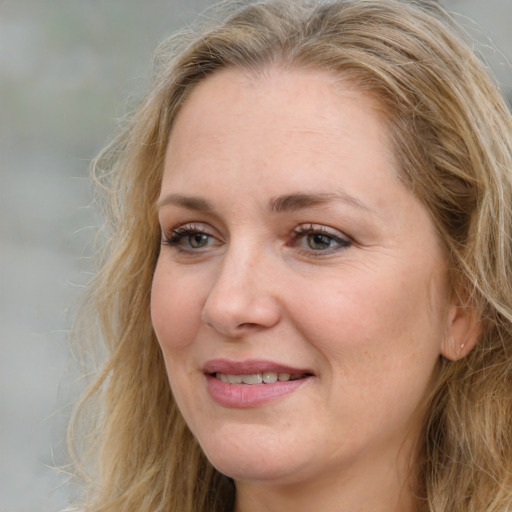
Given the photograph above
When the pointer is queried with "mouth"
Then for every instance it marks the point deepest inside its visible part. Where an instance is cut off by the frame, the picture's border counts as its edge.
(253, 372)
(252, 383)
(252, 379)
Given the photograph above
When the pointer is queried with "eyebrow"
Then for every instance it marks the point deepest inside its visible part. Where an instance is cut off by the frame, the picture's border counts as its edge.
(280, 204)
(188, 202)
(299, 201)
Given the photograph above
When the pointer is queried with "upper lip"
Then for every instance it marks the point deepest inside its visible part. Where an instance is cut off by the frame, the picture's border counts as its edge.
(249, 367)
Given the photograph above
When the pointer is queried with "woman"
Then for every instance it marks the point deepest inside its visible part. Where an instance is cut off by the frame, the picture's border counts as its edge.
(310, 241)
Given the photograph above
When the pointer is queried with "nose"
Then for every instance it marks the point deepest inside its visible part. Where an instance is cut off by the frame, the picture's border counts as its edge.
(243, 296)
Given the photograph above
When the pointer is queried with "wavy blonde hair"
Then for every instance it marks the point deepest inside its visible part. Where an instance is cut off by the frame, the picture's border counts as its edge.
(452, 135)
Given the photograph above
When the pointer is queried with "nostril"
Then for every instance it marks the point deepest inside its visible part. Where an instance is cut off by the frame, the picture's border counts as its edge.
(248, 325)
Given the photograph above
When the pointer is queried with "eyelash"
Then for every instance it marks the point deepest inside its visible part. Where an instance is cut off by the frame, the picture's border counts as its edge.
(181, 233)
(177, 236)
(302, 232)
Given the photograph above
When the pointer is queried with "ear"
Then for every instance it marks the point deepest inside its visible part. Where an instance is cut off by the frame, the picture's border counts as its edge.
(464, 328)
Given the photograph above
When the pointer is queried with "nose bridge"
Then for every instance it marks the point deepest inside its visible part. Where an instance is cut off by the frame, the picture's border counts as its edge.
(241, 295)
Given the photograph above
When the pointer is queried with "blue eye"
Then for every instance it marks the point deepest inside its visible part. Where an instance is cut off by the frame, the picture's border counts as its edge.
(319, 239)
(196, 240)
(189, 238)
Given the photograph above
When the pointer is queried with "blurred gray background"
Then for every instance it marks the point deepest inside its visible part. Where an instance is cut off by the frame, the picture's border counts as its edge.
(67, 70)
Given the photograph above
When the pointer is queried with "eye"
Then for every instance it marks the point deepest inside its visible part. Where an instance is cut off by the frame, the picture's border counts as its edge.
(316, 238)
(190, 237)
(197, 240)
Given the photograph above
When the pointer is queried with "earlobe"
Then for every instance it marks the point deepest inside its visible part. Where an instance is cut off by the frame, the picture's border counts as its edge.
(464, 328)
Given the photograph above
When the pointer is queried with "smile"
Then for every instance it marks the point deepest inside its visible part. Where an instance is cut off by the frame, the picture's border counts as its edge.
(258, 378)
(252, 383)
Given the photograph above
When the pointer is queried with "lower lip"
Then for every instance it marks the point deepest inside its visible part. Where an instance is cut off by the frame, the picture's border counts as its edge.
(243, 396)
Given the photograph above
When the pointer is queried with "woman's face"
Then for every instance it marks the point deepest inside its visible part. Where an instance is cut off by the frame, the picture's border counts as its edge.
(292, 254)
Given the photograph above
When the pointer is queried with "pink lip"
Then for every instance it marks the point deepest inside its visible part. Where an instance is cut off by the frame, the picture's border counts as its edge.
(244, 396)
(249, 367)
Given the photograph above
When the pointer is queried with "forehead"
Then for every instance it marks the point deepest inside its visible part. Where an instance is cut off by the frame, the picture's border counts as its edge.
(229, 86)
(239, 142)
(261, 111)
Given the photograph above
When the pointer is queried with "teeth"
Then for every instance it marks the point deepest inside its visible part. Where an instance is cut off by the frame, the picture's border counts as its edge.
(269, 377)
(256, 378)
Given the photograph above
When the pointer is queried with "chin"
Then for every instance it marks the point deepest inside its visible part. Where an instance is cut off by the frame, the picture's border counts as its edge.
(255, 457)
(259, 469)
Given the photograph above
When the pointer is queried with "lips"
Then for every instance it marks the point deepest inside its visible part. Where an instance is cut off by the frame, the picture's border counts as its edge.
(258, 378)
(243, 384)
(250, 367)
(253, 371)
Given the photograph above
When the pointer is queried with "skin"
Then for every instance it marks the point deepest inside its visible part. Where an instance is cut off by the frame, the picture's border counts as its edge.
(364, 305)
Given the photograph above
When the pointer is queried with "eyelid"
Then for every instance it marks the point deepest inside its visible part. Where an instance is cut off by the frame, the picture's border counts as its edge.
(174, 236)
(320, 228)
(183, 227)
(311, 226)
(343, 240)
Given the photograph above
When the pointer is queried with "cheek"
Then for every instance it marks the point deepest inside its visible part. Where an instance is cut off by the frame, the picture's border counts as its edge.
(385, 318)
(381, 340)
(175, 311)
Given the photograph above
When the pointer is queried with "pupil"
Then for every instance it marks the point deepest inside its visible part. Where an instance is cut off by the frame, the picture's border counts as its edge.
(198, 240)
(319, 241)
